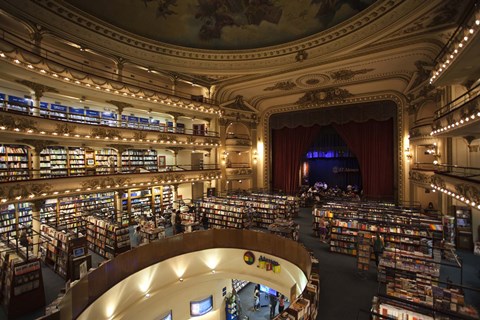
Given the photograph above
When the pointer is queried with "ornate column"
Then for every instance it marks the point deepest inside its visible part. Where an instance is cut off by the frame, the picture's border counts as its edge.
(222, 124)
(120, 149)
(37, 148)
(36, 206)
(119, 64)
(37, 37)
(39, 90)
(120, 107)
(175, 151)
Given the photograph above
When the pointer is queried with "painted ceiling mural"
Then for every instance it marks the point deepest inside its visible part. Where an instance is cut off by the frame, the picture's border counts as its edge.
(223, 24)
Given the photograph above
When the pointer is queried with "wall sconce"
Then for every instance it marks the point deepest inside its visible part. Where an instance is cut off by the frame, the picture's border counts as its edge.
(408, 154)
(255, 157)
(224, 157)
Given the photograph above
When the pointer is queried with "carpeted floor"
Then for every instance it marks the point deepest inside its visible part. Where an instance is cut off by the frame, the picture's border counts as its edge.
(344, 293)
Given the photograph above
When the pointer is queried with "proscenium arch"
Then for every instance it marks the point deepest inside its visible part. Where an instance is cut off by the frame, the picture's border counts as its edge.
(399, 126)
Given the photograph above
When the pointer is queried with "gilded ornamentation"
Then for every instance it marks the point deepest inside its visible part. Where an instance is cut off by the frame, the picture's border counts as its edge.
(175, 115)
(166, 137)
(14, 122)
(419, 177)
(24, 190)
(65, 128)
(468, 191)
(283, 85)
(439, 182)
(140, 135)
(120, 147)
(120, 105)
(324, 96)
(39, 89)
(191, 139)
(342, 75)
(165, 177)
(105, 132)
(105, 182)
(38, 145)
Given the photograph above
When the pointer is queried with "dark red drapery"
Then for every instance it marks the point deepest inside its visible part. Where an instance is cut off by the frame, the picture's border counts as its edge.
(372, 144)
(289, 146)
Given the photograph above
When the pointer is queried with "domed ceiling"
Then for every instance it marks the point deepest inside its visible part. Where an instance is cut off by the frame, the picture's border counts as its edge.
(223, 24)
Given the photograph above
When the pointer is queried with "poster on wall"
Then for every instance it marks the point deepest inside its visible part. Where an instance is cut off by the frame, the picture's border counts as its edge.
(201, 307)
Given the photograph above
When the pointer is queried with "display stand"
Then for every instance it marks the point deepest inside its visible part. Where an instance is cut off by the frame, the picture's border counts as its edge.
(364, 251)
(22, 285)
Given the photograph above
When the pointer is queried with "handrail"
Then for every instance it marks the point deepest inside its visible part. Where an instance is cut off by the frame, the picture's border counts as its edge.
(467, 13)
(33, 111)
(99, 281)
(80, 67)
(10, 174)
(459, 102)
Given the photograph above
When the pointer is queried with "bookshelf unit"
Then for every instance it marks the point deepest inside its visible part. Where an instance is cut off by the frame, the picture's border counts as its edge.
(15, 163)
(98, 204)
(136, 159)
(105, 238)
(8, 222)
(49, 212)
(105, 159)
(76, 161)
(58, 249)
(149, 202)
(21, 284)
(223, 213)
(53, 162)
(400, 228)
(463, 226)
(364, 250)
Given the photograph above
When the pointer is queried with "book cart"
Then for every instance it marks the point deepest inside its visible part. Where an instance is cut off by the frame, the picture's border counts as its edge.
(21, 283)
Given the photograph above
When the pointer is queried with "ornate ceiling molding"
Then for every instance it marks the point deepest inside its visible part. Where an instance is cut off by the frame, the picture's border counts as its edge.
(64, 20)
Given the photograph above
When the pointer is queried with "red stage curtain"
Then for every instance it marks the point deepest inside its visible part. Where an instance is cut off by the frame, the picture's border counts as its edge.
(372, 143)
(289, 148)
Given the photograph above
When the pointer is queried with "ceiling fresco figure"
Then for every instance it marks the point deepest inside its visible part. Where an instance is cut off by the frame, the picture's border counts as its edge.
(222, 24)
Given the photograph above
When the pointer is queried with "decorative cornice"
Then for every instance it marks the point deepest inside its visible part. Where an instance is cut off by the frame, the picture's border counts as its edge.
(106, 182)
(316, 97)
(106, 133)
(17, 123)
(38, 145)
(346, 74)
(24, 191)
(283, 85)
(39, 89)
(120, 105)
(65, 128)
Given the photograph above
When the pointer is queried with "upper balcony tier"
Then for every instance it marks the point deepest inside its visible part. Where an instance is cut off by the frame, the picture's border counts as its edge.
(57, 70)
(461, 117)
(26, 122)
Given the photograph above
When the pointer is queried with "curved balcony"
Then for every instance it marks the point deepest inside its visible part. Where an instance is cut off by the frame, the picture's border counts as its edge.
(461, 116)
(140, 271)
(29, 190)
(238, 140)
(20, 52)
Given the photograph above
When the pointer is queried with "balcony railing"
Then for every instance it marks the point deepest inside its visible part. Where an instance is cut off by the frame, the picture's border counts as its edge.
(18, 174)
(470, 97)
(466, 173)
(67, 116)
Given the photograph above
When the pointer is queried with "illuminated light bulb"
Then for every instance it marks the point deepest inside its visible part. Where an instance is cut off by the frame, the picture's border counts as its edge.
(88, 85)
(472, 116)
(16, 61)
(2, 55)
(451, 56)
(477, 22)
(30, 66)
(465, 38)
(66, 79)
(460, 45)
(455, 51)
(55, 75)
(77, 82)
(471, 31)
(462, 199)
(43, 71)
(467, 201)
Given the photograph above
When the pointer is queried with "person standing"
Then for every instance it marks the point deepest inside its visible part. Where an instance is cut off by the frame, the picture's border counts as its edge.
(378, 247)
(256, 298)
(178, 223)
(273, 304)
(281, 303)
(137, 237)
(205, 221)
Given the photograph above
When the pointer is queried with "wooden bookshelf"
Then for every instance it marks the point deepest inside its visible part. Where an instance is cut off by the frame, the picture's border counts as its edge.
(105, 238)
(15, 162)
(22, 289)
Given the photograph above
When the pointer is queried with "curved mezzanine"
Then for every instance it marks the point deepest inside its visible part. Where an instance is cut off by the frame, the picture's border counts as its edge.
(154, 269)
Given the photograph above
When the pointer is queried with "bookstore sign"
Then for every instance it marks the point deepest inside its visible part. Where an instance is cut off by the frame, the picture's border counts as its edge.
(263, 263)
